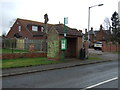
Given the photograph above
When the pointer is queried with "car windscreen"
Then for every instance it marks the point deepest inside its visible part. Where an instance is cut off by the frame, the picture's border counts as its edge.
(98, 43)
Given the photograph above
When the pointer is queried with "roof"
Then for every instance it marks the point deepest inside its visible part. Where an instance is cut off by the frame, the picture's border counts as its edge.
(25, 23)
(105, 31)
(69, 31)
(58, 27)
(91, 32)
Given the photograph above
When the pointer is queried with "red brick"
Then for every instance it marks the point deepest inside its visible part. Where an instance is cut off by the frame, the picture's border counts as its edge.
(23, 55)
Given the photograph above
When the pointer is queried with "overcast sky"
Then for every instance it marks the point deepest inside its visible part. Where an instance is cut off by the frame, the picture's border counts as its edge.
(75, 10)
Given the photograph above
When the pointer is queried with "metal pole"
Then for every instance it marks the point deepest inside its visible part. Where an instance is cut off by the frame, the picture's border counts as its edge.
(63, 52)
(88, 30)
(64, 29)
(89, 25)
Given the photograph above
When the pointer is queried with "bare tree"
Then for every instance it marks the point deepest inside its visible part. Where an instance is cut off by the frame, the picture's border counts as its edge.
(107, 23)
(3, 34)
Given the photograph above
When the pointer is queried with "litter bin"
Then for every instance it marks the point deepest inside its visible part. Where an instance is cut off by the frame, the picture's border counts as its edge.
(82, 53)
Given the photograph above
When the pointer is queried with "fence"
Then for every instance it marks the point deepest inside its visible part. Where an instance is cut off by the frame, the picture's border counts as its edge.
(110, 47)
(8, 43)
(38, 45)
(24, 44)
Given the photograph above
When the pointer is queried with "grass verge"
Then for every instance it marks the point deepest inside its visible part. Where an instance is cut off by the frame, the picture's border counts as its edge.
(24, 62)
(94, 57)
(14, 51)
(116, 52)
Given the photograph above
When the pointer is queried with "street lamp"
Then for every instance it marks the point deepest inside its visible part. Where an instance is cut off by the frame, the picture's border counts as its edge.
(89, 25)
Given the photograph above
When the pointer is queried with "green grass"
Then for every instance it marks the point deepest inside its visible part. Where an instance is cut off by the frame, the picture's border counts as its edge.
(24, 62)
(94, 57)
(14, 51)
(116, 52)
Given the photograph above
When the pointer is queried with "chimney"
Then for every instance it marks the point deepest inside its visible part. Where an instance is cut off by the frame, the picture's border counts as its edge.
(85, 30)
(91, 28)
(80, 31)
(101, 28)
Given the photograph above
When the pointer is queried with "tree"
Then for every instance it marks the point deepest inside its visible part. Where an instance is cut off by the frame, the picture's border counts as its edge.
(3, 34)
(106, 23)
(115, 27)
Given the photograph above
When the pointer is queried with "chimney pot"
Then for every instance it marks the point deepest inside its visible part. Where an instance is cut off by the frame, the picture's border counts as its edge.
(85, 30)
(91, 28)
(101, 27)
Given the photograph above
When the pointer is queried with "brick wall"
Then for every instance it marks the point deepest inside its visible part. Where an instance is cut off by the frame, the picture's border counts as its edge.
(86, 47)
(23, 55)
(78, 46)
(109, 47)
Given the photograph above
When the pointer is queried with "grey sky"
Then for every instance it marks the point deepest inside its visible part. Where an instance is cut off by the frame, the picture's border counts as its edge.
(75, 10)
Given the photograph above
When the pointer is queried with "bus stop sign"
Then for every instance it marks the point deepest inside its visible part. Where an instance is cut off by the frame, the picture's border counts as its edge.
(63, 44)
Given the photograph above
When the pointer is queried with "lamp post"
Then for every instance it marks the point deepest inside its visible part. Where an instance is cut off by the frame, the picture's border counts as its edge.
(89, 25)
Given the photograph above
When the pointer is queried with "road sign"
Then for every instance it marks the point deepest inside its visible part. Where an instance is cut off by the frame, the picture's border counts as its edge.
(66, 20)
(63, 44)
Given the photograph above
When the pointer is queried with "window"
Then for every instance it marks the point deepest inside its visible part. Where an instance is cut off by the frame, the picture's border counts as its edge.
(19, 28)
(34, 28)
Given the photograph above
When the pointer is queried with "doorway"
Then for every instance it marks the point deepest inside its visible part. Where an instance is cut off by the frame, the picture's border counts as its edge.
(71, 47)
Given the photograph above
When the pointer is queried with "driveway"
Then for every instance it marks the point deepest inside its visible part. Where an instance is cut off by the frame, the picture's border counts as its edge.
(104, 55)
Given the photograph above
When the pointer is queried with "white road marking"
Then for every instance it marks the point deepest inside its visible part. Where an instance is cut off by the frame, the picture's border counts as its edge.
(100, 83)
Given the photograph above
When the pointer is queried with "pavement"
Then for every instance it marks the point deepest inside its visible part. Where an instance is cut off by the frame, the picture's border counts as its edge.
(70, 63)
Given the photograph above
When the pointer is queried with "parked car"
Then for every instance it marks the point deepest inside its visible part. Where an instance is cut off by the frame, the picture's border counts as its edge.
(98, 45)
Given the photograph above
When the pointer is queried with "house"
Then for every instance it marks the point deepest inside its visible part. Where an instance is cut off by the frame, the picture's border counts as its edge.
(92, 36)
(98, 35)
(103, 35)
(36, 31)
(26, 29)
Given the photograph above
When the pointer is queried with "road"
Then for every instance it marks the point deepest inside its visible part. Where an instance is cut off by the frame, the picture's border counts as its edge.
(74, 77)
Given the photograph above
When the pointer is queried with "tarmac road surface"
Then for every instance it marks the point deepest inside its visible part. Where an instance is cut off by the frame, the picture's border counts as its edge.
(74, 77)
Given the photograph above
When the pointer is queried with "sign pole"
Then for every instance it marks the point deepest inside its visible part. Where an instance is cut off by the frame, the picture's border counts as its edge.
(63, 40)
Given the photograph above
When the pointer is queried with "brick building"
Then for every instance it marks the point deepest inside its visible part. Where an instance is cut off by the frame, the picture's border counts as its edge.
(91, 35)
(35, 30)
(98, 35)
(26, 29)
(73, 36)
(102, 35)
